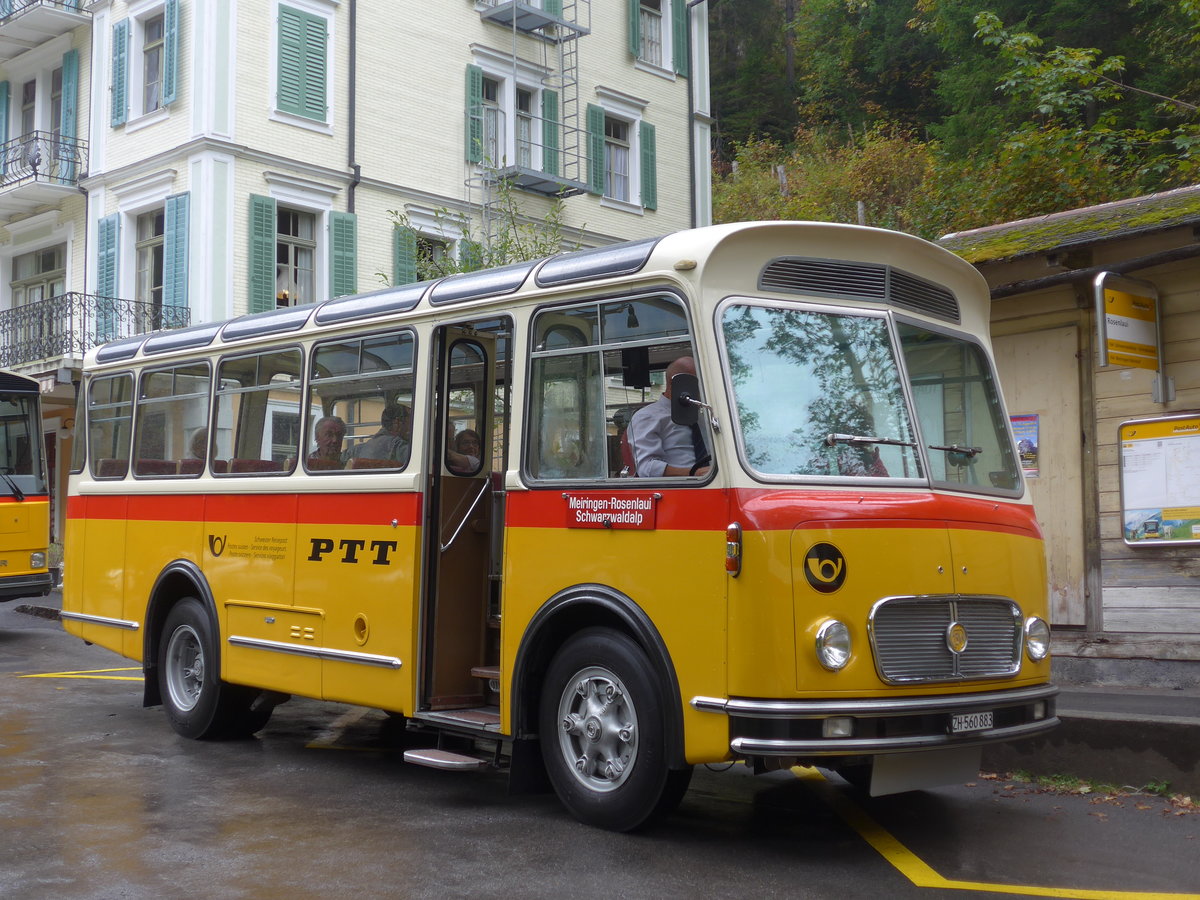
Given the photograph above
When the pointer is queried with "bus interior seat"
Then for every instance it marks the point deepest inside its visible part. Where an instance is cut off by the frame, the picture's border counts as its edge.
(255, 465)
(366, 462)
(111, 467)
(322, 465)
(191, 466)
(155, 467)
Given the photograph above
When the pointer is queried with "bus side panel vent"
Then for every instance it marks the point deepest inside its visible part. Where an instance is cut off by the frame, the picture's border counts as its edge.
(873, 282)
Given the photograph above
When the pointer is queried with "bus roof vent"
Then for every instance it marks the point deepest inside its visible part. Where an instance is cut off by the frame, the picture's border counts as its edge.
(874, 282)
(118, 351)
(376, 303)
(601, 262)
(484, 283)
(921, 296)
(275, 321)
(182, 338)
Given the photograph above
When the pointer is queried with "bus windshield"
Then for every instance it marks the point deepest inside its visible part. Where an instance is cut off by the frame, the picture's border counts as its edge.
(821, 394)
(958, 406)
(818, 393)
(20, 457)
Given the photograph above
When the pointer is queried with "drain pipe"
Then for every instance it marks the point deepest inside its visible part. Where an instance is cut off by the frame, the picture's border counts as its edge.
(352, 114)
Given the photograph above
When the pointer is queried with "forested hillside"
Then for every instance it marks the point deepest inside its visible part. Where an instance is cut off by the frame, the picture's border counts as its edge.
(940, 115)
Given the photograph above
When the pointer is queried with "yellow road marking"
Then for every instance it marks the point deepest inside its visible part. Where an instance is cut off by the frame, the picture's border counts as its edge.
(919, 873)
(96, 674)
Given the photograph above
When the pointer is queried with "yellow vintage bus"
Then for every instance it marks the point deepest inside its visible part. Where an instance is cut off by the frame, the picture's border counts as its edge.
(478, 504)
(24, 491)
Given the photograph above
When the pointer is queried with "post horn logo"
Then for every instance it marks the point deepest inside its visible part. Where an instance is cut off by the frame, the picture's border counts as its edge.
(216, 545)
(825, 568)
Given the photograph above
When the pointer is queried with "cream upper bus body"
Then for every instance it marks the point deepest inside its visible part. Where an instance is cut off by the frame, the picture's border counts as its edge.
(772, 596)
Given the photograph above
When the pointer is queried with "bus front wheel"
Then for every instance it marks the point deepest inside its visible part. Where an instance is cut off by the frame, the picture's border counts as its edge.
(199, 705)
(602, 732)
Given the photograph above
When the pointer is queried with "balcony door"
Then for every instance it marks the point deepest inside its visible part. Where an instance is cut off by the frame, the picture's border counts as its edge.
(37, 278)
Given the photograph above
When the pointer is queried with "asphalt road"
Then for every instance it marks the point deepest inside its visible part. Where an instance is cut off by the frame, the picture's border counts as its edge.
(100, 799)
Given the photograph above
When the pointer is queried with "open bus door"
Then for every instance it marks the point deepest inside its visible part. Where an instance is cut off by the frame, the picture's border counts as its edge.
(458, 654)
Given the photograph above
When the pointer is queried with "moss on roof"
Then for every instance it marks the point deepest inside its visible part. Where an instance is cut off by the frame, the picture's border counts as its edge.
(1079, 227)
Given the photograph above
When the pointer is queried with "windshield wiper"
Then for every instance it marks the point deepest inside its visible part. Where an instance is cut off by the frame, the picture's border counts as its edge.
(17, 493)
(969, 452)
(862, 440)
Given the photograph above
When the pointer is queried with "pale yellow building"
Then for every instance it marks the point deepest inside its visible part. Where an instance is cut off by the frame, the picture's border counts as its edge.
(172, 162)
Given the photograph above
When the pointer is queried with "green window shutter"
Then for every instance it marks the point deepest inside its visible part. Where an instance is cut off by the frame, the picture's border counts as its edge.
(343, 243)
(302, 64)
(108, 240)
(120, 73)
(4, 91)
(68, 123)
(550, 132)
(175, 251)
(69, 118)
(170, 85)
(553, 7)
(404, 255)
(633, 7)
(680, 37)
(474, 114)
(595, 144)
(261, 277)
(649, 161)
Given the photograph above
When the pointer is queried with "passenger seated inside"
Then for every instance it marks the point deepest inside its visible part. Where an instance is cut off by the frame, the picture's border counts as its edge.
(463, 452)
(327, 435)
(660, 447)
(391, 442)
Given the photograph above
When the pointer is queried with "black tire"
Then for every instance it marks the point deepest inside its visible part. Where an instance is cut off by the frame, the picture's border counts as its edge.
(603, 736)
(198, 704)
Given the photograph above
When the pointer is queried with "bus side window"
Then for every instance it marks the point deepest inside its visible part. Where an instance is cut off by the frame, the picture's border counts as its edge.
(360, 404)
(172, 421)
(110, 421)
(257, 414)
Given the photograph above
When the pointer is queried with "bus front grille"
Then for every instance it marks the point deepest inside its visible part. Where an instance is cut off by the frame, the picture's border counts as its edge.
(912, 639)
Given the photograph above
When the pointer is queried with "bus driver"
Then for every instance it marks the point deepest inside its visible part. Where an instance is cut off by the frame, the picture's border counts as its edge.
(660, 447)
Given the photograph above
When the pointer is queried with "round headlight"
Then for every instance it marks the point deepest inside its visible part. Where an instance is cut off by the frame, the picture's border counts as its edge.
(1037, 638)
(833, 645)
(37, 560)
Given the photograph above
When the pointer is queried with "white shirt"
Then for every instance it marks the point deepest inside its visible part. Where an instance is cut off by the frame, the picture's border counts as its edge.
(657, 442)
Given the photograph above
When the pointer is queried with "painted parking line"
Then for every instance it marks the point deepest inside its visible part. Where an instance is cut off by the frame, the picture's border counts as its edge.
(921, 874)
(95, 674)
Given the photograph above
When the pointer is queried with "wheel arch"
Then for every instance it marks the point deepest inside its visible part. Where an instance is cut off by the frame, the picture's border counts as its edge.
(178, 579)
(571, 610)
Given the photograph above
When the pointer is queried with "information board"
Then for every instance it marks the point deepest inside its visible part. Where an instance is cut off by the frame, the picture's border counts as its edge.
(1160, 480)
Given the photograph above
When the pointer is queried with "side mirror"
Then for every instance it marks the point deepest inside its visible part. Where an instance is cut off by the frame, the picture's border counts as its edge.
(685, 399)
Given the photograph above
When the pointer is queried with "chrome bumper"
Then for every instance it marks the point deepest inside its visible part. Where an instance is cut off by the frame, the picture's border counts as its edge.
(881, 725)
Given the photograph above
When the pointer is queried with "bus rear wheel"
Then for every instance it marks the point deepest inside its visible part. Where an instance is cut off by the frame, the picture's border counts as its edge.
(603, 736)
(198, 704)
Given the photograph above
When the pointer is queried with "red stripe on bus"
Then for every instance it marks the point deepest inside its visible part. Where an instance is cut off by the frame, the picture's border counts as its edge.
(309, 509)
(45, 498)
(774, 509)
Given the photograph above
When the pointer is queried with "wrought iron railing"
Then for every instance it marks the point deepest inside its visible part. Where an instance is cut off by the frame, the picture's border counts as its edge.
(69, 325)
(42, 156)
(14, 7)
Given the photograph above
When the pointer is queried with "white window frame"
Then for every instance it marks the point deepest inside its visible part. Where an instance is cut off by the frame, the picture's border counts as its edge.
(141, 195)
(629, 109)
(326, 10)
(314, 198)
(664, 67)
(499, 68)
(437, 225)
(135, 89)
(35, 65)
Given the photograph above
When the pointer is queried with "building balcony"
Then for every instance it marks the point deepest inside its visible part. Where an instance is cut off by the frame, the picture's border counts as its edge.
(62, 329)
(39, 169)
(25, 24)
(573, 21)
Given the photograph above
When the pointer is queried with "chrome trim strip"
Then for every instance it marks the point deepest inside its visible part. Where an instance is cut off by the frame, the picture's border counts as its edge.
(350, 656)
(873, 706)
(855, 746)
(101, 620)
